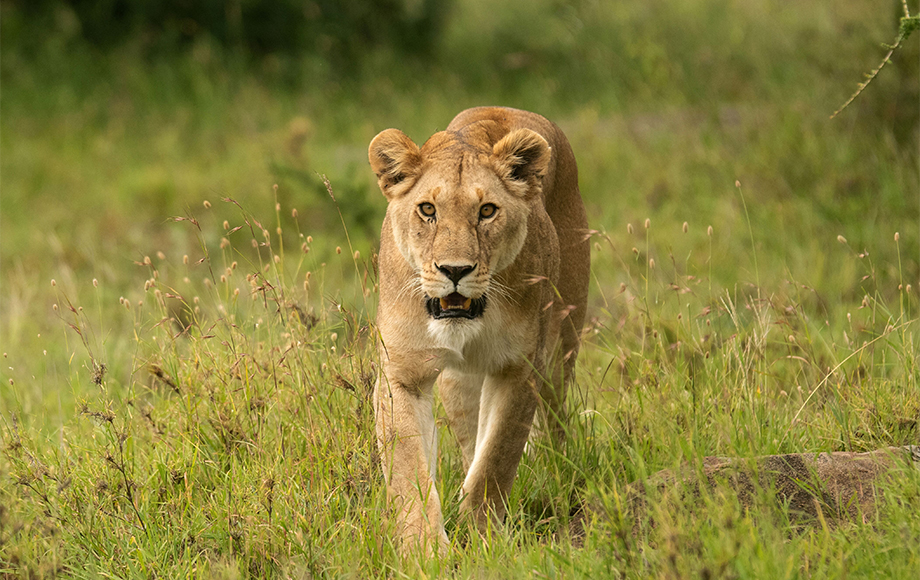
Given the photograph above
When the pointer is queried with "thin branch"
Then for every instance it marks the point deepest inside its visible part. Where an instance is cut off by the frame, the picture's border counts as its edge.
(908, 25)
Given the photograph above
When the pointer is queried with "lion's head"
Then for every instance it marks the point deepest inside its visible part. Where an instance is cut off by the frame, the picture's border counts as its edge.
(458, 209)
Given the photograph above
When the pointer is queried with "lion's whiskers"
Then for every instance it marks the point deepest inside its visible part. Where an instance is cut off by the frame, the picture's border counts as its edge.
(500, 292)
(413, 286)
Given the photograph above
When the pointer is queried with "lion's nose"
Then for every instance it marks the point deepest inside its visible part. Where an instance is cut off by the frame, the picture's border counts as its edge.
(455, 273)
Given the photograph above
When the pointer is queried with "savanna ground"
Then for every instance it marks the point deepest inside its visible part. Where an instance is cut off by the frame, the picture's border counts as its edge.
(188, 349)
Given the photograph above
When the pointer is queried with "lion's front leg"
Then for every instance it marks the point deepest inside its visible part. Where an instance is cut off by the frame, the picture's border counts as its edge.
(407, 439)
(506, 413)
(460, 394)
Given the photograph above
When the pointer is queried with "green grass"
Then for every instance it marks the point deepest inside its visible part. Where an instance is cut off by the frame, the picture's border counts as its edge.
(230, 433)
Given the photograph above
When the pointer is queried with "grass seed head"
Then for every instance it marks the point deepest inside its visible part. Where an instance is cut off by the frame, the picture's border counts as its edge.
(53, 283)
(841, 239)
(207, 204)
(629, 228)
(897, 236)
(709, 231)
(185, 259)
(294, 213)
(648, 223)
(338, 249)
(685, 227)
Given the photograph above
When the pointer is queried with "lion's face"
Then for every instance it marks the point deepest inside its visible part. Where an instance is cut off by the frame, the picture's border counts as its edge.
(457, 228)
(458, 209)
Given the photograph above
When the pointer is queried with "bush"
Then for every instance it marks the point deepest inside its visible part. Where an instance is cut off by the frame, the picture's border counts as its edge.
(336, 29)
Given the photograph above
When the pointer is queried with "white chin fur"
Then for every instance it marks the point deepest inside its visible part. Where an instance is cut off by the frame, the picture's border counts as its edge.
(453, 334)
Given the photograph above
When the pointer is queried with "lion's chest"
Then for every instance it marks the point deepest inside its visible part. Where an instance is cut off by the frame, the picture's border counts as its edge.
(479, 347)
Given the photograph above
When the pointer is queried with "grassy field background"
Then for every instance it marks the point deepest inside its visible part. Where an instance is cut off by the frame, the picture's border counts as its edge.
(187, 334)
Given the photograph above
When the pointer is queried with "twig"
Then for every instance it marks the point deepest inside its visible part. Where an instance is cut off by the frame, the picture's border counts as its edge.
(908, 25)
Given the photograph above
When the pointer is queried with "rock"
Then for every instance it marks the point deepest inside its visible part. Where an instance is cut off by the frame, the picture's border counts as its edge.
(814, 486)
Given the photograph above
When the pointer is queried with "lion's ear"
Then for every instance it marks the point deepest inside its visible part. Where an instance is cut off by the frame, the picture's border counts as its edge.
(395, 159)
(522, 157)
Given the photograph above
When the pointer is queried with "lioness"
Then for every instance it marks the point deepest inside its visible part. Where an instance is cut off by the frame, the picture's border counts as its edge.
(483, 266)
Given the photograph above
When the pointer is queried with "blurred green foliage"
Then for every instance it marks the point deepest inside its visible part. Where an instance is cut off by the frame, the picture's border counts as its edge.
(339, 30)
(666, 104)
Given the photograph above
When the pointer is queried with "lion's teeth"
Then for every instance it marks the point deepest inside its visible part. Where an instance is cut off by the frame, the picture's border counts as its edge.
(455, 302)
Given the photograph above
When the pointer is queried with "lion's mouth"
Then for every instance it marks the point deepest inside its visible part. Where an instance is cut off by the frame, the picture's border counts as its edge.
(455, 305)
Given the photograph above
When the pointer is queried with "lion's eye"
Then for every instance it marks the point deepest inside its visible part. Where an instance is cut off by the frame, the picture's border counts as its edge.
(427, 209)
(487, 211)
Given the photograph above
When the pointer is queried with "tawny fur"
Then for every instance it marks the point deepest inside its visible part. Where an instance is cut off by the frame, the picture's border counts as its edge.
(530, 259)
